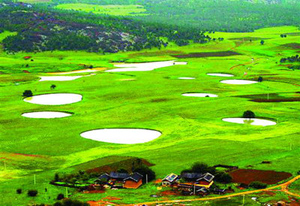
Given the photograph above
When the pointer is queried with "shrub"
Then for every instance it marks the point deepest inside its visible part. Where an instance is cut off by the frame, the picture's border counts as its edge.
(60, 196)
(249, 114)
(27, 93)
(199, 167)
(258, 185)
(32, 193)
(19, 191)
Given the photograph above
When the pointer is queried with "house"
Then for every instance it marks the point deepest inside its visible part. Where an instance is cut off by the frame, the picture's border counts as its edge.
(170, 180)
(103, 179)
(117, 176)
(134, 181)
(206, 180)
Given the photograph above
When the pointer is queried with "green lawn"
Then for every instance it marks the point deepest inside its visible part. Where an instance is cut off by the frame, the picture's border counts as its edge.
(114, 10)
(192, 128)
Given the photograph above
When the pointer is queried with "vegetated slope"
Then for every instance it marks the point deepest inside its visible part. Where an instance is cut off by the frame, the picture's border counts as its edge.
(41, 29)
(221, 15)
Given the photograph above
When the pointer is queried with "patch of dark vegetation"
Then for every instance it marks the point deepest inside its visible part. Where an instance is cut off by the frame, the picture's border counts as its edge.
(247, 39)
(112, 163)
(160, 100)
(247, 176)
(207, 54)
(291, 46)
(290, 59)
(273, 97)
(293, 34)
(157, 53)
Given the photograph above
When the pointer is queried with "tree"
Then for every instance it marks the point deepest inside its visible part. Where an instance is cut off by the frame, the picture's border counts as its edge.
(19, 191)
(27, 93)
(262, 42)
(199, 167)
(223, 177)
(53, 86)
(32, 193)
(258, 185)
(146, 172)
(248, 114)
(60, 196)
(260, 79)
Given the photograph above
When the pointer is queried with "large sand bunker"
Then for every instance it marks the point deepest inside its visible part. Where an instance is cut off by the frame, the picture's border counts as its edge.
(46, 115)
(138, 67)
(252, 121)
(238, 81)
(54, 99)
(122, 136)
(58, 78)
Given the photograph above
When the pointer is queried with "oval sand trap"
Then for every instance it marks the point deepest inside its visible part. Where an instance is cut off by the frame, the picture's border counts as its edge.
(220, 75)
(149, 66)
(122, 136)
(252, 121)
(237, 81)
(58, 78)
(199, 95)
(46, 115)
(54, 99)
(186, 78)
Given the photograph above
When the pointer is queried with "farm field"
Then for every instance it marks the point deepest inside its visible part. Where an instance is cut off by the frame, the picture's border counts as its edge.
(114, 10)
(33, 150)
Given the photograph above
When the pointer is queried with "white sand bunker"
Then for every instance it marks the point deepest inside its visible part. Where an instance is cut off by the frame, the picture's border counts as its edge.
(122, 136)
(54, 99)
(78, 71)
(186, 78)
(137, 67)
(237, 81)
(58, 78)
(199, 95)
(252, 121)
(46, 115)
(220, 75)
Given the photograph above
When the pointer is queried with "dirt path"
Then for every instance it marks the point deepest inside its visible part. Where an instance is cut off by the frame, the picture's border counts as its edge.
(284, 188)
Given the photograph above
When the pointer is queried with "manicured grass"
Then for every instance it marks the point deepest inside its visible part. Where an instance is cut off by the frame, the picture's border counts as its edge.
(192, 128)
(115, 10)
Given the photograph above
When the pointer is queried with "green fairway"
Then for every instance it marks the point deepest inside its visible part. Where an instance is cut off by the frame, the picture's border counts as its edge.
(192, 128)
(114, 10)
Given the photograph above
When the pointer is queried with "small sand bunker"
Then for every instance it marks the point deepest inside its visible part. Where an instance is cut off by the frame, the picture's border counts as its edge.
(138, 67)
(220, 75)
(240, 82)
(54, 99)
(186, 78)
(58, 78)
(252, 121)
(79, 71)
(199, 95)
(46, 115)
(122, 136)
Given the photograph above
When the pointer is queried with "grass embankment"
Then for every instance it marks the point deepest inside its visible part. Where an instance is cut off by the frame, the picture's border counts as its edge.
(192, 128)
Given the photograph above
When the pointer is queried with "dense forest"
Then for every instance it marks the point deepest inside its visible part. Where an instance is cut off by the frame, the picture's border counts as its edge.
(221, 15)
(43, 29)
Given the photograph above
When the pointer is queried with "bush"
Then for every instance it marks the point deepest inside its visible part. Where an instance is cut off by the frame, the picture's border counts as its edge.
(32, 193)
(19, 191)
(60, 196)
(258, 185)
(199, 167)
(27, 93)
(248, 114)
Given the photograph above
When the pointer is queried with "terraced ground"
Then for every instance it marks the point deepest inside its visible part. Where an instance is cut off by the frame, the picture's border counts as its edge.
(192, 128)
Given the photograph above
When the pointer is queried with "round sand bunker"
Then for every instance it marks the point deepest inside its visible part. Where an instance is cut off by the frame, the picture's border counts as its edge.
(122, 136)
(220, 75)
(240, 82)
(54, 99)
(252, 121)
(199, 95)
(46, 115)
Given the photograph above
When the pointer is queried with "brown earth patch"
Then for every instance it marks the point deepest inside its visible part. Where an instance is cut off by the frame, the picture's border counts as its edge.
(273, 97)
(170, 193)
(111, 198)
(207, 54)
(247, 38)
(291, 46)
(158, 53)
(247, 176)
